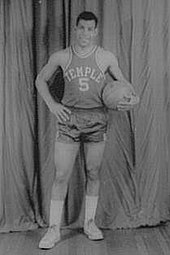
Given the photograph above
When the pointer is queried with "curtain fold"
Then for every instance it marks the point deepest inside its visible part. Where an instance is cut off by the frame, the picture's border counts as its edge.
(2, 70)
(151, 74)
(135, 172)
(18, 178)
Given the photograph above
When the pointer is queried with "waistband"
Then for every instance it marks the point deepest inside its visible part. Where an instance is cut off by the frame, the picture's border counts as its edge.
(94, 109)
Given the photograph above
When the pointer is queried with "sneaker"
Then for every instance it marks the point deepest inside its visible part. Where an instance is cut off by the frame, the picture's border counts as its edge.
(92, 231)
(51, 237)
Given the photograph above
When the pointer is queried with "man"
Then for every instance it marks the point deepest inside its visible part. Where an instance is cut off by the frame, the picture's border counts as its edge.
(81, 117)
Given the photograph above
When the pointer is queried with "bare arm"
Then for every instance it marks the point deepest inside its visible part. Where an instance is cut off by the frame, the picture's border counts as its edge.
(116, 71)
(43, 77)
(47, 71)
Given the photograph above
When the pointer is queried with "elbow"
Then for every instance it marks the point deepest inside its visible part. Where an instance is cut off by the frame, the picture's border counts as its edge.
(40, 82)
(37, 81)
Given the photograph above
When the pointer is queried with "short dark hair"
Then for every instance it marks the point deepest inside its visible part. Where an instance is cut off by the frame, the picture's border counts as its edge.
(87, 16)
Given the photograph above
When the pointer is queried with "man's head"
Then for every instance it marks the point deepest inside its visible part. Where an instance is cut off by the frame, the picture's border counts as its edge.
(87, 16)
(86, 28)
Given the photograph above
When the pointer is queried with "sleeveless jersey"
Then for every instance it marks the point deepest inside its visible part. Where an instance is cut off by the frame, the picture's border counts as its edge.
(84, 81)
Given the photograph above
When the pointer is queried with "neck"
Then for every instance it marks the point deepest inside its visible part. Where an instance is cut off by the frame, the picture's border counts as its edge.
(83, 50)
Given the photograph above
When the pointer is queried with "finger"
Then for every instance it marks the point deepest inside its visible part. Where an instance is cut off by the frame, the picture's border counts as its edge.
(121, 109)
(135, 100)
(59, 118)
(124, 105)
(64, 116)
(131, 101)
(67, 110)
(124, 108)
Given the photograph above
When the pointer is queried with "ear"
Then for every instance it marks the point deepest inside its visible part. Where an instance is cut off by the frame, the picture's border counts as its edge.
(75, 28)
(96, 31)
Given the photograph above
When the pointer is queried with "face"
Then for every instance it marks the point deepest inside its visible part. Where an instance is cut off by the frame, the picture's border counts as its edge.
(85, 32)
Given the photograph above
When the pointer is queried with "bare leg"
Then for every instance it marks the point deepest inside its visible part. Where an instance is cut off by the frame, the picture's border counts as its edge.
(94, 157)
(65, 155)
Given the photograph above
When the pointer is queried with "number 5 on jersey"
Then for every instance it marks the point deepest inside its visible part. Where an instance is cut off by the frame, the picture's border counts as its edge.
(83, 84)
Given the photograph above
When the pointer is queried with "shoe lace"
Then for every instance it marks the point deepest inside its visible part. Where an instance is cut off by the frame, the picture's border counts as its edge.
(92, 225)
(51, 231)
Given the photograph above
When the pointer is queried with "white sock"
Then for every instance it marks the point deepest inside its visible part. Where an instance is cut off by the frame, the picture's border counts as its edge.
(56, 209)
(90, 207)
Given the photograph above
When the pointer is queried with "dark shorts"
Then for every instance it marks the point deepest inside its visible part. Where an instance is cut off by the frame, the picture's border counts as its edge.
(86, 125)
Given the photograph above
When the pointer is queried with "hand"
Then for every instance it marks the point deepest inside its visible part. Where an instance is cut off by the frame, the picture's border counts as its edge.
(128, 103)
(61, 112)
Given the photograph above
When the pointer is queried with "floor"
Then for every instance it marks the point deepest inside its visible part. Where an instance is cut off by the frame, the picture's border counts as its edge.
(141, 241)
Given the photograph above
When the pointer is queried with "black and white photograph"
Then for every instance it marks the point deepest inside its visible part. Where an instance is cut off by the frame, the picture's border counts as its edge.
(84, 127)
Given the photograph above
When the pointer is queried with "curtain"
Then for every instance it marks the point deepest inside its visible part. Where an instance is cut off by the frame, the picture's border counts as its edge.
(18, 194)
(135, 172)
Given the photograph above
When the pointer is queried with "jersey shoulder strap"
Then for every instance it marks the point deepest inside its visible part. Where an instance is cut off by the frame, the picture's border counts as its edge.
(99, 55)
(69, 54)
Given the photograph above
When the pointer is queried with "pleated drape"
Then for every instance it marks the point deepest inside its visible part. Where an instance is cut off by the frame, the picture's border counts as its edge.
(135, 172)
(18, 200)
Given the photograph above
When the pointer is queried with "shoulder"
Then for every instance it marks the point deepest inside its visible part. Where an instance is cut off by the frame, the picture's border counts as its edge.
(60, 57)
(106, 57)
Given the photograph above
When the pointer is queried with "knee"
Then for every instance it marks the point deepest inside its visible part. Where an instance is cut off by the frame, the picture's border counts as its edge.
(61, 177)
(93, 172)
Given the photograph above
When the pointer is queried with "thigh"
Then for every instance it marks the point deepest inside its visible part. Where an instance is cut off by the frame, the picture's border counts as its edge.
(94, 154)
(65, 155)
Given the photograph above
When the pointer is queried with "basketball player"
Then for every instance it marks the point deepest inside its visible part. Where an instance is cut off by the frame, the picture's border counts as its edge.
(81, 117)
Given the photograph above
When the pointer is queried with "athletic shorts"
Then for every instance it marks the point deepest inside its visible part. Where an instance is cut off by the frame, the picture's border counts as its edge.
(84, 125)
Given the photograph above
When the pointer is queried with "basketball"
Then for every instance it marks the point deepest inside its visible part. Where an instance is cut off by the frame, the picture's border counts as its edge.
(114, 92)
